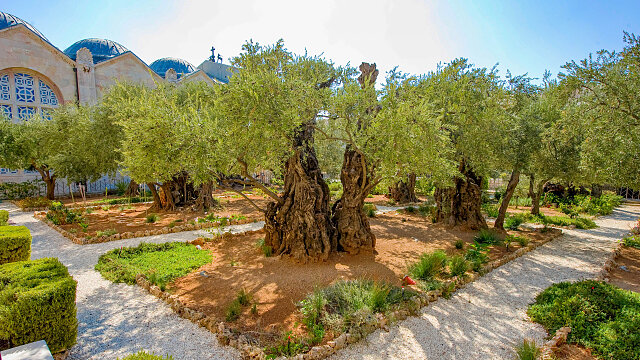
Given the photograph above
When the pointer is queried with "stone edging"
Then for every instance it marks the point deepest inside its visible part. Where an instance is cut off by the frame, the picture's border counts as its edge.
(552, 345)
(250, 350)
(609, 263)
(130, 234)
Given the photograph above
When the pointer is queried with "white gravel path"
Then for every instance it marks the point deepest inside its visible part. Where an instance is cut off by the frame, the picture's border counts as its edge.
(488, 317)
(482, 321)
(115, 320)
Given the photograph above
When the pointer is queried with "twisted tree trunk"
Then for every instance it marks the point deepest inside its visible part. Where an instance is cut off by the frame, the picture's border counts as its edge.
(506, 198)
(404, 192)
(299, 224)
(132, 189)
(353, 232)
(460, 205)
(205, 200)
(536, 195)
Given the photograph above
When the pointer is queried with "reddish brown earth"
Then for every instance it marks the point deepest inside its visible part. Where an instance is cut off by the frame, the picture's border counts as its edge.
(276, 285)
(123, 218)
(573, 352)
(543, 210)
(630, 279)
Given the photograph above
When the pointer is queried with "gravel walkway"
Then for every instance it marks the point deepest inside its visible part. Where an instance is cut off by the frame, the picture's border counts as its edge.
(482, 321)
(117, 319)
(488, 317)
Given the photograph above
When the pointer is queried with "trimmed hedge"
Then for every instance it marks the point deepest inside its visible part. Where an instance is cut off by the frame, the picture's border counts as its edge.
(15, 244)
(37, 302)
(4, 217)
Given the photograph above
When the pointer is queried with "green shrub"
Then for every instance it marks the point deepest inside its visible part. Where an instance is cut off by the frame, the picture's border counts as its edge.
(426, 210)
(34, 203)
(491, 210)
(458, 266)
(61, 215)
(15, 244)
(37, 301)
(459, 244)
(121, 187)
(429, 265)
(143, 355)
(289, 345)
(370, 209)
(4, 217)
(477, 253)
(528, 350)
(160, 263)
(233, 311)
(580, 223)
(107, 232)
(486, 236)
(632, 241)
(602, 317)
(513, 222)
(21, 190)
(151, 218)
(410, 209)
(243, 297)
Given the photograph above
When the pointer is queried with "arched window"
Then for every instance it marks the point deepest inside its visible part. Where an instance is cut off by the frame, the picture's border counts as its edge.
(23, 94)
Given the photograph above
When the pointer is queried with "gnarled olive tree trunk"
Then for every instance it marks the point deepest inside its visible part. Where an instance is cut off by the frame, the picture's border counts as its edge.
(506, 198)
(537, 194)
(299, 224)
(204, 200)
(404, 192)
(460, 205)
(132, 189)
(353, 232)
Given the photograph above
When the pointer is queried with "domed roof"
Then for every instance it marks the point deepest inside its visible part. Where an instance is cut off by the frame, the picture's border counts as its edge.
(8, 20)
(182, 67)
(101, 49)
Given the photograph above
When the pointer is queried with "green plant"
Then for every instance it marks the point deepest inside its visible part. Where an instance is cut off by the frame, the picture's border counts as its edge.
(105, 207)
(161, 263)
(426, 210)
(21, 190)
(486, 236)
(151, 218)
(254, 309)
(84, 226)
(580, 223)
(458, 266)
(121, 187)
(143, 355)
(4, 217)
(233, 311)
(429, 265)
(61, 215)
(37, 301)
(459, 244)
(289, 345)
(632, 241)
(107, 232)
(15, 244)
(491, 210)
(602, 317)
(513, 222)
(370, 209)
(528, 350)
(521, 240)
(243, 297)
(88, 211)
(477, 254)
(430, 285)
(34, 203)
(410, 209)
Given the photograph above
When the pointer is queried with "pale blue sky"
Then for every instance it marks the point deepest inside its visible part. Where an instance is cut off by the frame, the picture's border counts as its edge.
(415, 35)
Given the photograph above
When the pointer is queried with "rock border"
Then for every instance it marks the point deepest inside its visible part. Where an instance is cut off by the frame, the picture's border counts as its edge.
(130, 234)
(550, 347)
(610, 263)
(251, 350)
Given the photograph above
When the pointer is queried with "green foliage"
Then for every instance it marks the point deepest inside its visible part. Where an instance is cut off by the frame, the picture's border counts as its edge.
(21, 190)
(143, 355)
(4, 217)
(61, 215)
(491, 210)
(370, 209)
(15, 244)
(528, 350)
(37, 302)
(486, 236)
(160, 263)
(426, 210)
(521, 240)
(632, 241)
(233, 311)
(425, 186)
(429, 266)
(151, 218)
(459, 244)
(121, 187)
(580, 223)
(35, 203)
(477, 253)
(458, 266)
(119, 201)
(243, 297)
(602, 317)
(107, 232)
(289, 345)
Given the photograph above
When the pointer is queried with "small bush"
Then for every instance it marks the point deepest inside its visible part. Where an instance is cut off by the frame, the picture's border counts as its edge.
(514, 221)
(266, 249)
(521, 240)
(160, 263)
(486, 236)
(151, 218)
(143, 355)
(458, 266)
(632, 241)
(107, 232)
(410, 209)
(580, 223)
(15, 244)
(491, 210)
(34, 203)
(233, 311)
(243, 297)
(459, 244)
(477, 253)
(4, 217)
(370, 209)
(429, 266)
(37, 301)
(602, 317)
(426, 210)
(528, 350)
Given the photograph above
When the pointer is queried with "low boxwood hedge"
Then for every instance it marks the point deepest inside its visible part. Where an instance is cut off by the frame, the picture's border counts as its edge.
(15, 244)
(37, 302)
(4, 217)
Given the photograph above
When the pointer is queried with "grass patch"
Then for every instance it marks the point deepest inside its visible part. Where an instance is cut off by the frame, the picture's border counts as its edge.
(267, 250)
(528, 350)
(151, 218)
(458, 266)
(429, 266)
(107, 232)
(602, 317)
(486, 236)
(160, 263)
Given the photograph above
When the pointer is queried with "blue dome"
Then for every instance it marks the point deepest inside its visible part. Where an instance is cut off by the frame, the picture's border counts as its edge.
(8, 20)
(101, 49)
(182, 67)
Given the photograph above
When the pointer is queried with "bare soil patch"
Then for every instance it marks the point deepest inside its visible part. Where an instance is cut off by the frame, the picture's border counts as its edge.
(546, 211)
(573, 352)
(132, 218)
(276, 285)
(626, 274)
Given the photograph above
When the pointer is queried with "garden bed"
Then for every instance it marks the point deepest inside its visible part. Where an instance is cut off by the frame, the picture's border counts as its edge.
(625, 270)
(275, 286)
(113, 222)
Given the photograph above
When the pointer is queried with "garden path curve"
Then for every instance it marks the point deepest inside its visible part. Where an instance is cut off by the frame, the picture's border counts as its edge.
(115, 320)
(488, 317)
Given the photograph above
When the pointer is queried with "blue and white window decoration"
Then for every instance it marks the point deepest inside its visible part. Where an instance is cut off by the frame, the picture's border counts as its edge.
(23, 95)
